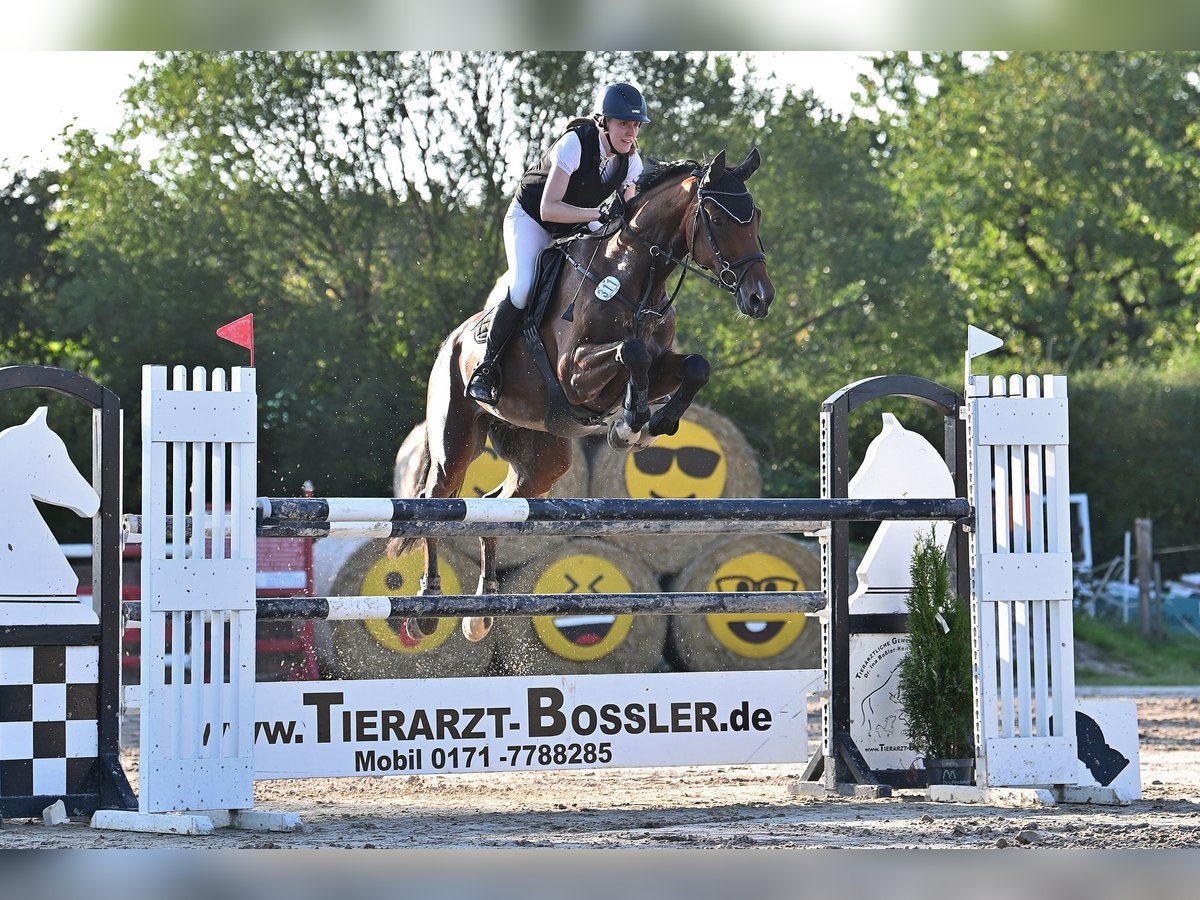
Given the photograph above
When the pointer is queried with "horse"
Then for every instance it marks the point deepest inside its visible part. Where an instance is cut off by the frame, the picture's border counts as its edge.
(34, 465)
(597, 348)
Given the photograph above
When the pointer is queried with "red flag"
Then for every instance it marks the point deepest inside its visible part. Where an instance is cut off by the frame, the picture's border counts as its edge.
(240, 332)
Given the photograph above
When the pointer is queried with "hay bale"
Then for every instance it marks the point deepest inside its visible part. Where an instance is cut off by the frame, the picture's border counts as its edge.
(377, 648)
(708, 457)
(485, 473)
(549, 645)
(764, 562)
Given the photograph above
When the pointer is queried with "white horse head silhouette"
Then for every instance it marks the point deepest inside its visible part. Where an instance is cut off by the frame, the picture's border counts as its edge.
(34, 465)
(898, 464)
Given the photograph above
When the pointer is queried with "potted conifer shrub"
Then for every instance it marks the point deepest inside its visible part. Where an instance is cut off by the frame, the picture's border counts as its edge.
(936, 691)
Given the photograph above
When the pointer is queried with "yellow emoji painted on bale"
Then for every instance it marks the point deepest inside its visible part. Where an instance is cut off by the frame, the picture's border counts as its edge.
(582, 638)
(752, 635)
(402, 578)
(689, 463)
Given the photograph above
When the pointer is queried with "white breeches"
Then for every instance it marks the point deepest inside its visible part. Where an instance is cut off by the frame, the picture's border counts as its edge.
(524, 241)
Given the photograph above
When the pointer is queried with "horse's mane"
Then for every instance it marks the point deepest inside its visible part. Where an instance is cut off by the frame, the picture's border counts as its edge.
(658, 171)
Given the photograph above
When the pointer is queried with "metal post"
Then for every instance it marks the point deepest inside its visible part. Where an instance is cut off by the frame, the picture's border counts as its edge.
(1143, 540)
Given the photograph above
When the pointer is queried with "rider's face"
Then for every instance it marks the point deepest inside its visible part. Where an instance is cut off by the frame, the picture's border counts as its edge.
(623, 133)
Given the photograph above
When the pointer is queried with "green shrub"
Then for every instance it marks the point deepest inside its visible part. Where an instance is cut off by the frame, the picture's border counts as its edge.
(936, 690)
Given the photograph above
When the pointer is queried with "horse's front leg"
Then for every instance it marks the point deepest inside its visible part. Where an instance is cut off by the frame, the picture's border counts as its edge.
(476, 628)
(634, 356)
(681, 377)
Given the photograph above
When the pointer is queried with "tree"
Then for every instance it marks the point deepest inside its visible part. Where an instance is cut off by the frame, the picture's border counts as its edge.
(352, 201)
(30, 271)
(855, 295)
(1054, 190)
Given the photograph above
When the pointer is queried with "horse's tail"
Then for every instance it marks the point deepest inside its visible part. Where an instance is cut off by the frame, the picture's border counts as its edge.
(410, 484)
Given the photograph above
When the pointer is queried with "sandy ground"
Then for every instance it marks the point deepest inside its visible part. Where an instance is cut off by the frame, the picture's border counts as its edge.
(693, 807)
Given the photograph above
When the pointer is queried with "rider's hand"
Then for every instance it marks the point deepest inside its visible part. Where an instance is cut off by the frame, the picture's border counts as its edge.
(595, 226)
(614, 209)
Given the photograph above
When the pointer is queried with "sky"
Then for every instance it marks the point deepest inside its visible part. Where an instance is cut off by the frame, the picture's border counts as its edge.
(45, 91)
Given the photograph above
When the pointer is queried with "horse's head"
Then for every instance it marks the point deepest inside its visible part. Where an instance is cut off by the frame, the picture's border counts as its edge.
(727, 215)
(34, 460)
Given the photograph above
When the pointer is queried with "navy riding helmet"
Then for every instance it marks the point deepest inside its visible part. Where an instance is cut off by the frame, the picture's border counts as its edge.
(622, 101)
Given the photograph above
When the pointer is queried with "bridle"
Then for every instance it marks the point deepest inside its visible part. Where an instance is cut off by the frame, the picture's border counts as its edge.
(726, 268)
(729, 274)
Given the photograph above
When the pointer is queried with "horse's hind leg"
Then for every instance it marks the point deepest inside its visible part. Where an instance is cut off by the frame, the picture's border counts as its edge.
(536, 460)
(455, 439)
(476, 628)
(682, 377)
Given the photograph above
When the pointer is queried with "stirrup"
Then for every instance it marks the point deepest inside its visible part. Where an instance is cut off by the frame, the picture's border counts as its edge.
(485, 384)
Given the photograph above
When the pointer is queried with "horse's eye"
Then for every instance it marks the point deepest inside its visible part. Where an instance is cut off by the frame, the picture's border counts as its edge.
(718, 222)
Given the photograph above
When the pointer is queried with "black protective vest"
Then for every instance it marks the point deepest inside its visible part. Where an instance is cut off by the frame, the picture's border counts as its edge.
(585, 187)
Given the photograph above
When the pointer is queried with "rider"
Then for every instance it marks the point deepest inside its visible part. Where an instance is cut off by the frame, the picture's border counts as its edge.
(595, 158)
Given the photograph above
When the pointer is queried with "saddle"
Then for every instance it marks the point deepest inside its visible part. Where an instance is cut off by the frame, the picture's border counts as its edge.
(563, 418)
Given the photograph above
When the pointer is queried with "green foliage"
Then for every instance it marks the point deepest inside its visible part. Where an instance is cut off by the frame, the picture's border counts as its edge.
(31, 275)
(353, 201)
(1133, 455)
(935, 677)
(1055, 189)
(1119, 654)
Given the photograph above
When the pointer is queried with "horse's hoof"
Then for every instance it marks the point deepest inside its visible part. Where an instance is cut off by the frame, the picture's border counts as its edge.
(663, 426)
(476, 628)
(430, 587)
(621, 437)
(488, 586)
(420, 628)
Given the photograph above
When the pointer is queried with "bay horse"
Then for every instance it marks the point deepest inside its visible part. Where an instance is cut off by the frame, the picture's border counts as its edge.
(597, 347)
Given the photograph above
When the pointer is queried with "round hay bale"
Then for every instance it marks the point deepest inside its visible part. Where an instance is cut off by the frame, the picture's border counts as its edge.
(567, 645)
(377, 648)
(758, 562)
(486, 472)
(708, 457)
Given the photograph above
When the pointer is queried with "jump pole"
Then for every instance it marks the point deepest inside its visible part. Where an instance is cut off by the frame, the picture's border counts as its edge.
(990, 581)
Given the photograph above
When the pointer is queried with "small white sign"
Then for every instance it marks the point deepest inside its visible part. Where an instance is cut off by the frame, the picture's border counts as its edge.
(423, 726)
(607, 289)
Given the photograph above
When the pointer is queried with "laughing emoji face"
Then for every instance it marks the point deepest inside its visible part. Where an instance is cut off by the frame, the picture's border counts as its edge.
(689, 463)
(582, 638)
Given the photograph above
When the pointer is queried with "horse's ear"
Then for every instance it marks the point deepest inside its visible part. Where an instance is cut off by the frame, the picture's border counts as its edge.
(39, 415)
(749, 165)
(715, 170)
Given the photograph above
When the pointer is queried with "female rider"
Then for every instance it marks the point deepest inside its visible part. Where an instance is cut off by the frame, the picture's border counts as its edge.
(595, 158)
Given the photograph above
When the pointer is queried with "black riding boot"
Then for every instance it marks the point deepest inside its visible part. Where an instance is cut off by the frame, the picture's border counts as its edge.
(487, 379)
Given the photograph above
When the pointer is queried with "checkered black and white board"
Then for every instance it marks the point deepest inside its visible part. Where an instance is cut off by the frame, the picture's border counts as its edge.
(48, 727)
